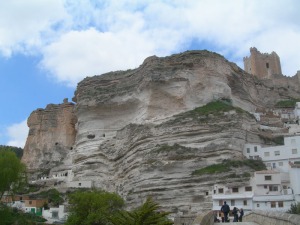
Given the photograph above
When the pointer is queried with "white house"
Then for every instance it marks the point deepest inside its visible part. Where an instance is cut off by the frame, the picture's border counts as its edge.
(276, 157)
(264, 192)
(270, 193)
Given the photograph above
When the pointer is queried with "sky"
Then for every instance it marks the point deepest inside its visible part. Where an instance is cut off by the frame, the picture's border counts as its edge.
(48, 46)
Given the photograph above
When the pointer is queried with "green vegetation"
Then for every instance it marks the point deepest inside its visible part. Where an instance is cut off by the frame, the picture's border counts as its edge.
(215, 107)
(93, 207)
(12, 172)
(295, 208)
(9, 216)
(146, 214)
(279, 140)
(287, 103)
(54, 197)
(227, 166)
(17, 150)
(105, 208)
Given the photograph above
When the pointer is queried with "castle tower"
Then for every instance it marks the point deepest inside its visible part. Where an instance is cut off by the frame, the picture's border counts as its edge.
(263, 65)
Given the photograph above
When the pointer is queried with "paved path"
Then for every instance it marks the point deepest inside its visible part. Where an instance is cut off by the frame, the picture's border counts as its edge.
(237, 223)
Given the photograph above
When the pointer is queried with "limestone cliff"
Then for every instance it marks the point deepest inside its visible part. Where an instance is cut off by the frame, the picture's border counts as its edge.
(51, 136)
(141, 132)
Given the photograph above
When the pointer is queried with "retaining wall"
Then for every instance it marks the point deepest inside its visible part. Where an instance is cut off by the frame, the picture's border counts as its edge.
(272, 218)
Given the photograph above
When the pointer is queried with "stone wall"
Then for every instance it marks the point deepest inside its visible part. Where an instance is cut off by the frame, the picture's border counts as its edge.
(262, 65)
(206, 218)
(272, 218)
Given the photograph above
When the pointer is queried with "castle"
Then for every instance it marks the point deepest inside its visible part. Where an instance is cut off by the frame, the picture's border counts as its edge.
(262, 65)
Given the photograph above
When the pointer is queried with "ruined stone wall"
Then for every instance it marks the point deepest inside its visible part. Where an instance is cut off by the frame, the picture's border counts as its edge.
(263, 65)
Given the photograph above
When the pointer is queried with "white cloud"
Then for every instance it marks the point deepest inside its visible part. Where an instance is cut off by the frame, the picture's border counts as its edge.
(84, 53)
(17, 134)
(92, 37)
(26, 25)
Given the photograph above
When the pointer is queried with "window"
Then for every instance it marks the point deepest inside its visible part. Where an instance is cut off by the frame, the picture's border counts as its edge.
(257, 205)
(232, 202)
(273, 204)
(280, 204)
(267, 154)
(245, 202)
(276, 153)
(206, 193)
(274, 165)
(268, 177)
(273, 188)
(294, 151)
(220, 202)
(267, 65)
(255, 148)
(265, 186)
(79, 184)
(248, 150)
(235, 190)
(30, 202)
(280, 163)
(214, 191)
(248, 188)
(221, 190)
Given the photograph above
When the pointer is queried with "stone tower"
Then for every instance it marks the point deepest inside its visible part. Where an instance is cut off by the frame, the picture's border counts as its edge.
(263, 65)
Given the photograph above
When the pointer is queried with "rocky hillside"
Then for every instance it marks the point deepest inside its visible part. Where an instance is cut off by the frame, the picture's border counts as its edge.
(146, 131)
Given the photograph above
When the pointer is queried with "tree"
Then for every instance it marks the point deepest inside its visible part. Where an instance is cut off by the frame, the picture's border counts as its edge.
(147, 214)
(295, 208)
(93, 207)
(12, 172)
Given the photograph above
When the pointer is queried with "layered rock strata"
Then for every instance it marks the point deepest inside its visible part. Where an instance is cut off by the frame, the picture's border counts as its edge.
(50, 139)
(139, 132)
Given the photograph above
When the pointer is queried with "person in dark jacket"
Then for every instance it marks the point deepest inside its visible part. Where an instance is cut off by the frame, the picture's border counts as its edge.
(241, 215)
(235, 214)
(225, 209)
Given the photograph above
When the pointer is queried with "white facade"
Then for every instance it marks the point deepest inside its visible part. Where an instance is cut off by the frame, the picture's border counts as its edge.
(55, 214)
(240, 197)
(265, 192)
(297, 110)
(276, 157)
(295, 180)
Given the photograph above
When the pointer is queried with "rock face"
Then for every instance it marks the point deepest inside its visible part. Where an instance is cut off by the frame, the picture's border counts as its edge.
(51, 136)
(141, 132)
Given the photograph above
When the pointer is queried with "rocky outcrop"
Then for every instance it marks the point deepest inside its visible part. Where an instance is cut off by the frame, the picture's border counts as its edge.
(51, 137)
(142, 132)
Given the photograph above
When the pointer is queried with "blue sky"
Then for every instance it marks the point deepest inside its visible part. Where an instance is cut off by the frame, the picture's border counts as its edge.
(47, 47)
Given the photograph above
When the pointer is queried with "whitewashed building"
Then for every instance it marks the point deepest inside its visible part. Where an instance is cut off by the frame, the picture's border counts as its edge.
(276, 157)
(264, 192)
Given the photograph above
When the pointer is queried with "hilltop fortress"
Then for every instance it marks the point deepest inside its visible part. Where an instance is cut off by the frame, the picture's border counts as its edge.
(263, 65)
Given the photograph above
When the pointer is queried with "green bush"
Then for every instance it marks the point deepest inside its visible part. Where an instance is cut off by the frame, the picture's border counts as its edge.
(287, 103)
(227, 166)
(295, 208)
(54, 197)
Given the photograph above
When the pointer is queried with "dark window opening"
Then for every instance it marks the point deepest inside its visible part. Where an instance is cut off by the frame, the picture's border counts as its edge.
(91, 136)
(267, 65)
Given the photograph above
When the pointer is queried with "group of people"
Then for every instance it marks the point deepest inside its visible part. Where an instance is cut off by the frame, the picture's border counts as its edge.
(237, 214)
